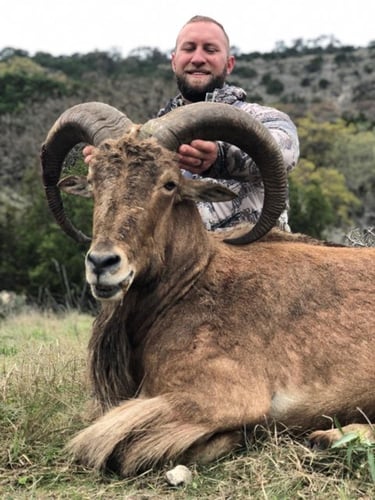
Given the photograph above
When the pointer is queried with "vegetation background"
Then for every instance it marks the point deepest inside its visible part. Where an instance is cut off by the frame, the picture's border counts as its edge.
(329, 91)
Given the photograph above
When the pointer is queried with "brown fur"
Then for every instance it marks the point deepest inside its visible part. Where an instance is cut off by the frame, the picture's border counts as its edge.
(209, 338)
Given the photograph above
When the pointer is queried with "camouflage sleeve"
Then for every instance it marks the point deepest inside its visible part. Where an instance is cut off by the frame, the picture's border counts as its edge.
(232, 163)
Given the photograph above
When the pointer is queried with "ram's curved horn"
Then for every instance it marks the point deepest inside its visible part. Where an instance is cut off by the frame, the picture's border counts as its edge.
(95, 122)
(216, 121)
(90, 122)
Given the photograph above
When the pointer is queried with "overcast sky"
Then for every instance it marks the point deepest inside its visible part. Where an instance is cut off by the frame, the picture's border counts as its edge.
(71, 26)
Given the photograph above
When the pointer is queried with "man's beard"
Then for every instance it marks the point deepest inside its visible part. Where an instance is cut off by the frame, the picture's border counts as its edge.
(193, 94)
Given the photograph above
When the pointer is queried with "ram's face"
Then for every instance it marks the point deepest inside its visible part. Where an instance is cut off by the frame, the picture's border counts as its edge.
(134, 185)
(138, 191)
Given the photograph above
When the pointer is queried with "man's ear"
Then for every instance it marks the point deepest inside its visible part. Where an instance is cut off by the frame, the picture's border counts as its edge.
(230, 64)
(172, 61)
(206, 191)
(75, 184)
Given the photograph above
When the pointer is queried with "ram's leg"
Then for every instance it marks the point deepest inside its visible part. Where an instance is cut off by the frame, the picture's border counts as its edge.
(139, 434)
(324, 439)
(214, 447)
(173, 427)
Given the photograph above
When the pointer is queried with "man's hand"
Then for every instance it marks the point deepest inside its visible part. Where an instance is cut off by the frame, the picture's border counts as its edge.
(88, 153)
(197, 156)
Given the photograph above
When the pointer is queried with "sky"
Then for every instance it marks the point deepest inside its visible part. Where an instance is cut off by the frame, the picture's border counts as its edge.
(65, 27)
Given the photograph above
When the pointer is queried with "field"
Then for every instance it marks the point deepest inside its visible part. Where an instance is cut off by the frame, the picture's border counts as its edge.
(44, 400)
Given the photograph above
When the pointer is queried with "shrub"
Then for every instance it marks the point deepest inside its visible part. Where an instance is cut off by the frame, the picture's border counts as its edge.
(323, 83)
(314, 65)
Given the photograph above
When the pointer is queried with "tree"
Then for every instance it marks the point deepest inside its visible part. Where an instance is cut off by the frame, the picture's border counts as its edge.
(38, 259)
(348, 149)
(354, 155)
(22, 80)
(319, 199)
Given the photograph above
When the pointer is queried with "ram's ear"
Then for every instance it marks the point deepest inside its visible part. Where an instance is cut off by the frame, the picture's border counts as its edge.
(75, 184)
(201, 190)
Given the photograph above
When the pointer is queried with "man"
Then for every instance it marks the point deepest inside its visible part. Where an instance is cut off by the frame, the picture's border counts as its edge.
(201, 63)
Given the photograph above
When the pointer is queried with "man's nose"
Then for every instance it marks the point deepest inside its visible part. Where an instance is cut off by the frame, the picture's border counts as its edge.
(198, 57)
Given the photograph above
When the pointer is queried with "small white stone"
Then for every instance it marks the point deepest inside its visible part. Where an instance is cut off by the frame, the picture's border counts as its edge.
(179, 475)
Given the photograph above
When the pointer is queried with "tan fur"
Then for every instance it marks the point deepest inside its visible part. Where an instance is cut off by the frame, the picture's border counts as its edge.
(202, 339)
(365, 433)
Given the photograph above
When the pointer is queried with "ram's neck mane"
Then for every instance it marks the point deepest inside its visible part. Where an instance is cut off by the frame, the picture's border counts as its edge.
(121, 328)
(109, 358)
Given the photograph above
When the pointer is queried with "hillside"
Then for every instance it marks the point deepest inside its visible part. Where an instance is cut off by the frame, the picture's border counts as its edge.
(327, 84)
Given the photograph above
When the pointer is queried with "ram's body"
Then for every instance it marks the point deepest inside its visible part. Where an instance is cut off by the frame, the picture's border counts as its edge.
(196, 339)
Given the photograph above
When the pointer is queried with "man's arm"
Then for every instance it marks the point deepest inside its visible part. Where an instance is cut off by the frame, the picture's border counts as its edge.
(232, 163)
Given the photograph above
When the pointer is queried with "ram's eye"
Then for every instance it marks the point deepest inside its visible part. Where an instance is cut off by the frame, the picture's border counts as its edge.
(170, 186)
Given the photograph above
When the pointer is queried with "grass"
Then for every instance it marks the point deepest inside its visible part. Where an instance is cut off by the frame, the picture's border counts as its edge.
(44, 401)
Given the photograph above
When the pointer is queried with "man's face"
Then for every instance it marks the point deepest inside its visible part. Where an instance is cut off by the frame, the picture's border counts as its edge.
(201, 61)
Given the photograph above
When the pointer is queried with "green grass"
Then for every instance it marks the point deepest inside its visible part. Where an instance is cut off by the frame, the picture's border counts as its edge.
(44, 400)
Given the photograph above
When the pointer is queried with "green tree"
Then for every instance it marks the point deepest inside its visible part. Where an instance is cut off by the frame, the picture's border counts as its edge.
(317, 139)
(354, 155)
(23, 80)
(319, 199)
(350, 150)
(38, 259)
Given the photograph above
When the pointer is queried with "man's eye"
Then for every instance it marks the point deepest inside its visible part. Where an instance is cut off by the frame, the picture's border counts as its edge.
(211, 50)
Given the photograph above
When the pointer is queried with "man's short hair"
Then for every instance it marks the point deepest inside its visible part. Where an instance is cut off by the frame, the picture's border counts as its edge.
(207, 19)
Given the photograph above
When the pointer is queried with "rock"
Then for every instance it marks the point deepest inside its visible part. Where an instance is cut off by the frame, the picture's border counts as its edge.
(179, 476)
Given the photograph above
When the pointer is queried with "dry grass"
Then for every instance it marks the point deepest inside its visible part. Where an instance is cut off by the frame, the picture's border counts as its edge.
(43, 401)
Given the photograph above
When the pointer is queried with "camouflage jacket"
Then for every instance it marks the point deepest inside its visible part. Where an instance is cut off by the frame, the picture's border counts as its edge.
(236, 170)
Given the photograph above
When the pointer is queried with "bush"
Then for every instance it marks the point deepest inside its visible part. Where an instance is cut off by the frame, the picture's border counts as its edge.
(246, 72)
(324, 84)
(22, 81)
(273, 86)
(311, 212)
(38, 259)
(319, 199)
(314, 65)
